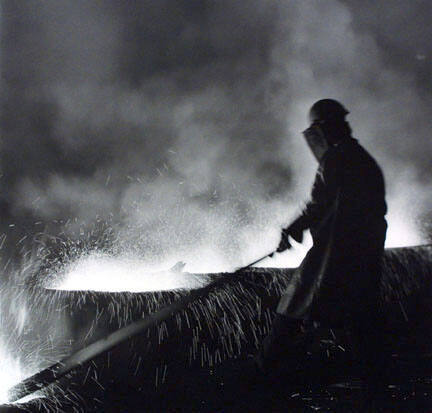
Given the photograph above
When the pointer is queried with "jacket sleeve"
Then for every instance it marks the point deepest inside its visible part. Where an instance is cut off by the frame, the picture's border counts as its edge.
(324, 191)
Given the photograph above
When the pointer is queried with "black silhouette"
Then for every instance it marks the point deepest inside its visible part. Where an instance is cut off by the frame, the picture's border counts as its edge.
(337, 283)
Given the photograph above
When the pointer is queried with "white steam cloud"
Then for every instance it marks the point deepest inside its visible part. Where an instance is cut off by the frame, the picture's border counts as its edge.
(180, 123)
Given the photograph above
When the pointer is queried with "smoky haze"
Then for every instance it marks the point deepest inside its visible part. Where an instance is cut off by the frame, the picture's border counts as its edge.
(179, 122)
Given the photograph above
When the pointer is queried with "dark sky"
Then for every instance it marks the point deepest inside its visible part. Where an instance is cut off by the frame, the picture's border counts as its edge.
(179, 120)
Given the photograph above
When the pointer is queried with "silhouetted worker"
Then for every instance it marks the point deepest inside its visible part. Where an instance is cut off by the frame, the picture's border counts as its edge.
(338, 281)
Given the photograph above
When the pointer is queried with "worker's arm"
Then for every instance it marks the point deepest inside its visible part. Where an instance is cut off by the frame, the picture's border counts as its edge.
(323, 195)
(324, 191)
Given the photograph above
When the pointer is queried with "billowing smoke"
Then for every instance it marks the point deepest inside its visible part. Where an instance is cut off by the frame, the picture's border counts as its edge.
(178, 123)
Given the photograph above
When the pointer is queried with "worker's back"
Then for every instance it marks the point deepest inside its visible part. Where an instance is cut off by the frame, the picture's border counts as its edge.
(362, 206)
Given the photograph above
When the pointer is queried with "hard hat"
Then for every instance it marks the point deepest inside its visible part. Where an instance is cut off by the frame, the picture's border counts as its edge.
(327, 109)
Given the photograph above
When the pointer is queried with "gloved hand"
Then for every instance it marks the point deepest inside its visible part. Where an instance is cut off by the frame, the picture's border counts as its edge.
(284, 243)
(295, 231)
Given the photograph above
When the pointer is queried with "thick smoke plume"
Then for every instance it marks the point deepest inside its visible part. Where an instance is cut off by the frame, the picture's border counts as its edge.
(178, 123)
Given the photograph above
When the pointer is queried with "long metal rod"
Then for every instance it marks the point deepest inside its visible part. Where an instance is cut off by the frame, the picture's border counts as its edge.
(55, 372)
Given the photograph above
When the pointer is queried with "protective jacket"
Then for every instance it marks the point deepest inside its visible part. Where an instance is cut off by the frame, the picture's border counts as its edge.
(340, 275)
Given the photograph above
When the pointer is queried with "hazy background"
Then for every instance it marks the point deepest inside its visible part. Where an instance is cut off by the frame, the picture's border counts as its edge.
(176, 123)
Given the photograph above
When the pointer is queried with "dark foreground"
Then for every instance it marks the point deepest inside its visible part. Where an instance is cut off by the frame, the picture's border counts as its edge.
(199, 360)
(324, 382)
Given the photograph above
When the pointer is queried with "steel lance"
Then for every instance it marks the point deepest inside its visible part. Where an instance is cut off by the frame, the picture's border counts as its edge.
(58, 370)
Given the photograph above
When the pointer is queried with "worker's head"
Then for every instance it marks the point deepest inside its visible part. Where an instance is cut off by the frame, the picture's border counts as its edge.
(316, 141)
(328, 115)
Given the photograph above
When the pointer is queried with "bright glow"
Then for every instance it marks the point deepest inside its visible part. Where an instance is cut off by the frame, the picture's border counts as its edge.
(402, 231)
(407, 202)
(12, 373)
(207, 260)
(101, 272)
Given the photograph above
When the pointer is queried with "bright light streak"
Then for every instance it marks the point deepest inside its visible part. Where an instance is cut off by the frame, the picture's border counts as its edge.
(101, 272)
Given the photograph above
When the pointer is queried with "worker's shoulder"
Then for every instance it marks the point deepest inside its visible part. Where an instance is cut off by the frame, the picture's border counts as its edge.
(349, 153)
(351, 148)
(354, 154)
